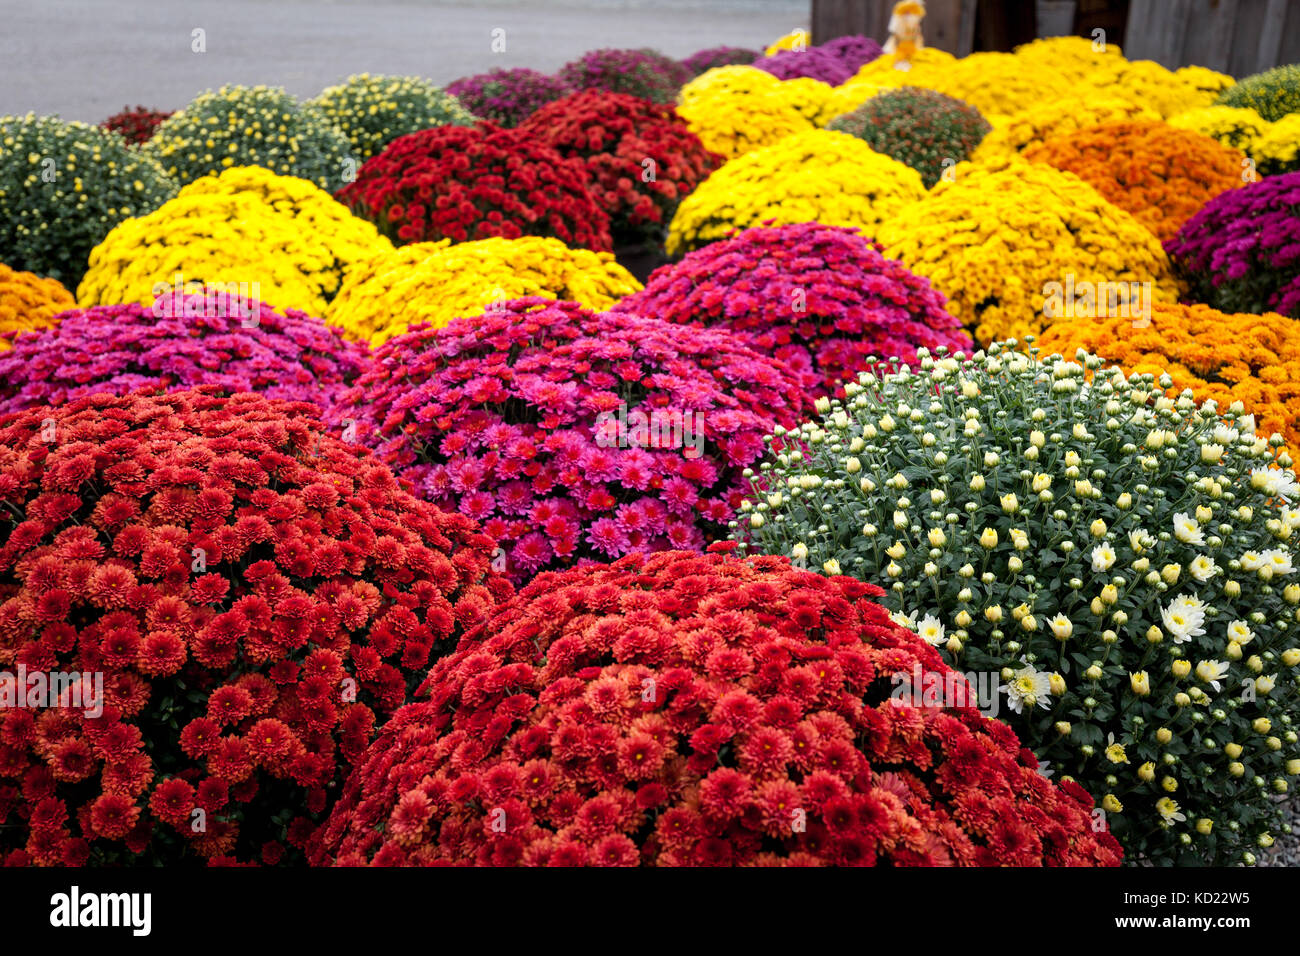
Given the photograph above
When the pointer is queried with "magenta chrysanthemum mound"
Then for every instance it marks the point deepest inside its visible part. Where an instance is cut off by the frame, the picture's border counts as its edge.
(822, 299)
(1241, 252)
(574, 435)
(183, 340)
(699, 710)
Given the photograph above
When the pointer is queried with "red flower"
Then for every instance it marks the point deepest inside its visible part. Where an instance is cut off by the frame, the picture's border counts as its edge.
(640, 752)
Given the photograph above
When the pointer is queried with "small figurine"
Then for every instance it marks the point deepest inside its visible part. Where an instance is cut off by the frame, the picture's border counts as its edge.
(905, 32)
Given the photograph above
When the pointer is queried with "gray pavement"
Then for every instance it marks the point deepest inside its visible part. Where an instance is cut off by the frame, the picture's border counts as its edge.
(86, 59)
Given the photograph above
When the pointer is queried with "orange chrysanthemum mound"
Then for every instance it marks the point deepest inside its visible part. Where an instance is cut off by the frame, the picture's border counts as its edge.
(1252, 359)
(29, 302)
(1160, 174)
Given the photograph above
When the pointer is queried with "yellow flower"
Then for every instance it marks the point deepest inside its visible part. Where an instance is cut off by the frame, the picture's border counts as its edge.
(1110, 803)
(29, 302)
(1168, 809)
(436, 282)
(1140, 683)
(830, 177)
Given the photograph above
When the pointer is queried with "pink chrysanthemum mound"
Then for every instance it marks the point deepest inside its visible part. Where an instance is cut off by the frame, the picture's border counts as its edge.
(574, 435)
(183, 340)
(684, 709)
(820, 298)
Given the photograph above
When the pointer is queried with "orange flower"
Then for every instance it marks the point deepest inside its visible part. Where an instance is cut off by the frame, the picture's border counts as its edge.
(1160, 174)
(28, 301)
(1253, 359)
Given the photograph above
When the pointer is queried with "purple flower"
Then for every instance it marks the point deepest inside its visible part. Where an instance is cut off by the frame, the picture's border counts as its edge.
(1241, 251)
(717, 56)
(644, 73)
(508, 97)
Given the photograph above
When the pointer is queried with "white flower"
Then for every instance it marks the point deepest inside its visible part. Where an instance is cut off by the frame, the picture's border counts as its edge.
(1239, 632)
(1028, 686)
(1187, 529)
(1252, 561)
(1183, 617)
(931, 631)
(903, 619)
(1225, 435)
(1278, 560)
(1103, 556)
(1139, 540)
(1061, 626)
(1203, 568)
(1211, 672)
(1274, 482)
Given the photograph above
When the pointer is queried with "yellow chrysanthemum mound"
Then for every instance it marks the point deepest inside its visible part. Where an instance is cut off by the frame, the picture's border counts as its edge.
(996, 239)
(1205, 79)
(1230, 125)
(727, 81)
(436, 282)
(1076, 58)
(1002, 84)
(1050, 120)
(926, 68)
(794, 40)
(1277, 149)
(28, 301)
(818, 176)
(812, 98)
(1148, 84)
(287, 239)
(736, 109)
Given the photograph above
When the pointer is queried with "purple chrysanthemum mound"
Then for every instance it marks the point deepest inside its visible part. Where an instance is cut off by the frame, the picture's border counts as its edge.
(644, 73)
(822, 299)
(1241, 252)
(574, 435)
(183, 340)
(508, 97)
(716, 56)
(853, 51)
(812, 62)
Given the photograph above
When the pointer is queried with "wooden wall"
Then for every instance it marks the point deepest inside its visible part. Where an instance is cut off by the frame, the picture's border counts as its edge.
(1233, 36)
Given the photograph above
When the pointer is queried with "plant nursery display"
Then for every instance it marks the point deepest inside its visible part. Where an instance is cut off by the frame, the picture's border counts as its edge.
(431, 283)
(459, 183)
(252, 126)
(822, 176)
(252, 595)
(1159, 174)
(508, 97)
(1122, 559)
(63, 187)
(574, 435)
(1226, 358)
(641, 157)
(28, 302)
(202, 337)
(821, 299)
(794, 454)
(926, 130)
(1003, 234)
(698, 710)
(278, 239)
(1240, 252)
(372, 111)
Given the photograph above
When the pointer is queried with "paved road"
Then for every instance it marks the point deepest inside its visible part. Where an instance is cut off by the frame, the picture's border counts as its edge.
(85, 59)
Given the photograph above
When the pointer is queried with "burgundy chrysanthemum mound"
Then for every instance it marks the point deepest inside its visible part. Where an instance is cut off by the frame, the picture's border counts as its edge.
(641, 156)
(254, 593)
(136, 125)
(575, 435)
(820, 298)
(684, 709)
(477, 182)
(182, 340)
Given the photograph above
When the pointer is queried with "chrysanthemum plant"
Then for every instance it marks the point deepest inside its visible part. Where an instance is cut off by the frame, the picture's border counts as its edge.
(1122, 559)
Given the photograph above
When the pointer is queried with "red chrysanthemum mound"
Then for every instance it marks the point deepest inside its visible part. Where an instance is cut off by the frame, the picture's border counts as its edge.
(254, 592)
(641, 156)
(476, 182)
(685, 709)
(575, 435)
(136, 125)
(820, 298)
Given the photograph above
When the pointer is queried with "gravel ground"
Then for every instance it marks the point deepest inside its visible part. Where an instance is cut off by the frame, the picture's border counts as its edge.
(86, 59)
